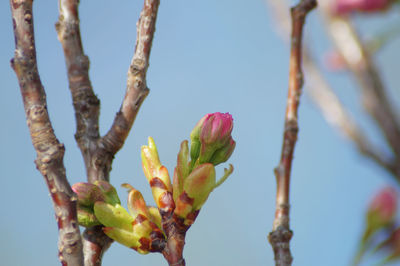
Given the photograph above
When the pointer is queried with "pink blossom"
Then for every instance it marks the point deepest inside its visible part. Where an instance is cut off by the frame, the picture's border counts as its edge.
(384, 204)
(216, 127)
(342, 7)
(211, 139)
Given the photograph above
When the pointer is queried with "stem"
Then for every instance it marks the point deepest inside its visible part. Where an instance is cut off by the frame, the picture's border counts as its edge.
(175, 231)
(50, 152)
(281, 233)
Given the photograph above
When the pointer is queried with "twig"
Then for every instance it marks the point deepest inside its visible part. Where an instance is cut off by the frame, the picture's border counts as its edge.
(136, 90)
(281, 233)
(99, 152)
(360, 63)
(50, 152)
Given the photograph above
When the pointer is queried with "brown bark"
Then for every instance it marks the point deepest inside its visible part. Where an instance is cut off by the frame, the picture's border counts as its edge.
(281, 233)
(175, 231)
(50, 152)
(98, 152)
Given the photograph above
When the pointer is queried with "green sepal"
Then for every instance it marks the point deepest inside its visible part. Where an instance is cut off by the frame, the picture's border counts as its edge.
(113, 216)
(227, 173)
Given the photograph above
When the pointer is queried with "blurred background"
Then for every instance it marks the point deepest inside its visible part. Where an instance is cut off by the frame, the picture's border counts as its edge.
(207, 56)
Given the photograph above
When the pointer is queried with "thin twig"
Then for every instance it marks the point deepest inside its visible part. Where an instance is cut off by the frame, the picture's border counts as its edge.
(136, 90)
(360, 63)
(281, 233)
(99, 152)
(50, 152)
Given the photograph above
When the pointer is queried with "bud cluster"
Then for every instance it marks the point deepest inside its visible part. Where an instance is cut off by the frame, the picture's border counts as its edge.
(144, 228)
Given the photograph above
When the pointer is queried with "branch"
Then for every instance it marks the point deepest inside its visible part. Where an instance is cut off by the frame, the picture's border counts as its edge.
(49, 150)
(281, 233)
(98, 153)
(360, 63)
(325, 98)
(136, 90)
(86, 104)
(340, 118)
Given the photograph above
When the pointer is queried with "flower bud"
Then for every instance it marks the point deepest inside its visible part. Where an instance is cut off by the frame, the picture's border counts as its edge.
(87, 194)
(109, 192)
(181, 169)
(223, 154)
(113, 216)
(136, 203)
(212, 134)
(381, 212)
(342, 7)
(134, 232)
(383, 208)
(86, 217)
(196, 189)
(157, 176)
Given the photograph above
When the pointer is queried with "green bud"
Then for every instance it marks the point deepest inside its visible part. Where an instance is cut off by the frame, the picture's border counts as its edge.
(113, 216)
(109, 192)
(199, 184)
(87, 194)
(86, 217)
(181, 169)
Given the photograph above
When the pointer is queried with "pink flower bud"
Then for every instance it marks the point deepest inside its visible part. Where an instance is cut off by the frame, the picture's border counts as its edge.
(212, 133)
(87, 193)
(342, 7)
(384, 205)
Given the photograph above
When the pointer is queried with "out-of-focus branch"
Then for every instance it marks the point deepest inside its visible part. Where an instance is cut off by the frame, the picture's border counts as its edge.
(337, 115)
(281, 233)
(50, 152)
(324, 97)
(360, 63)
(99, 152)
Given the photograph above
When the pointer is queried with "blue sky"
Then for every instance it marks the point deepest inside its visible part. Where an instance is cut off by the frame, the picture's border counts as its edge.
(207, 56)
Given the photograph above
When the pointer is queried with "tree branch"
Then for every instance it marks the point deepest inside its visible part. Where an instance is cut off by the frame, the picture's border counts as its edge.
(50, 151)
(98, 153)
(360, 63)
(281, 233)
(136, 90)
(332, 108)
(337, 115)
(86, 104)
